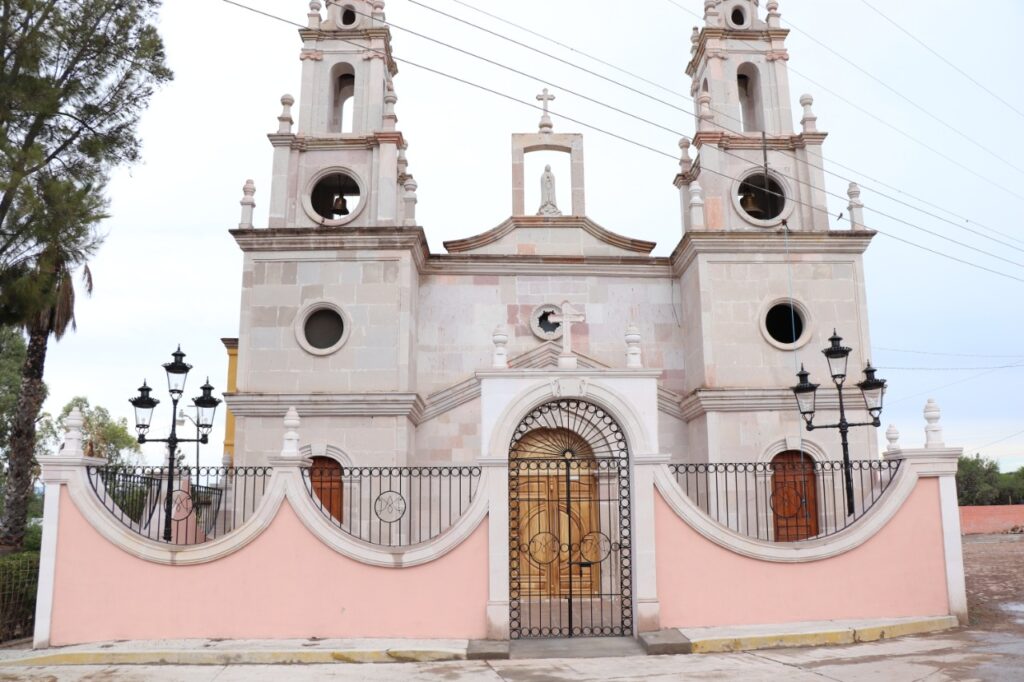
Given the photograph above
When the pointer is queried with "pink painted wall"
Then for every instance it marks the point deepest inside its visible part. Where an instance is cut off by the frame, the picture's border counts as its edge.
(284, 584)
(991, 519)
(898, 572)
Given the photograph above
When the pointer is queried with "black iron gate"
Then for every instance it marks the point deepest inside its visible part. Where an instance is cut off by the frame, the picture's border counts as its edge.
(570, 564)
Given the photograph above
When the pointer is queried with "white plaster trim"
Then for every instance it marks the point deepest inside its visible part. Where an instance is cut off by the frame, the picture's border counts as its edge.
(956, 586)
(313, 306)
(811, 550)
(285, 483)
(47, 566)
(794, 443)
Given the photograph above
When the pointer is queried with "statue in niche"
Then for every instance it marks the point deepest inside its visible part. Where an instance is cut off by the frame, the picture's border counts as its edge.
(548, 206)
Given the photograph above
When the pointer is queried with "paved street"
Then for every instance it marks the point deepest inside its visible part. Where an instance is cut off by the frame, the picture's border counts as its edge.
(991, 650)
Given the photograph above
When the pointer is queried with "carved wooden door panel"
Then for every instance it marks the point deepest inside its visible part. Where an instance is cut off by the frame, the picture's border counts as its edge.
(794, 500)
(325, 477)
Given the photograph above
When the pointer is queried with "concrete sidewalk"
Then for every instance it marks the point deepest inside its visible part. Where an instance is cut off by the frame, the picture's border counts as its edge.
(322, 651)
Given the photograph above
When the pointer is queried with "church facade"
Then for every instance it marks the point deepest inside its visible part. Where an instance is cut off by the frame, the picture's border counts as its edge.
(596, 428)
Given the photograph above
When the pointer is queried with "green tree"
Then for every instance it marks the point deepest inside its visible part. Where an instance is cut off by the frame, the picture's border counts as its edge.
(977, 481)
(103, 436)
(75, 75)
(12, 356)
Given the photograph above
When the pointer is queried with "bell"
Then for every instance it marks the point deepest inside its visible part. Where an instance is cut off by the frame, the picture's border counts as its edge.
(340, 205)
(748, 202)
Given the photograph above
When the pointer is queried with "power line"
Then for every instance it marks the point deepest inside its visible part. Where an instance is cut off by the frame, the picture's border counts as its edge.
(685, 111)
(997, 442)
(942, 387)
(947, 369)
(944, 59)
(881, 120)
(613, 135)
(949, 355)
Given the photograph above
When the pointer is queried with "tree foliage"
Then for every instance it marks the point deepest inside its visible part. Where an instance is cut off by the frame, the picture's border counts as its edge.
(12, 355)
(75, 76)
(102, 434)
(979, 482)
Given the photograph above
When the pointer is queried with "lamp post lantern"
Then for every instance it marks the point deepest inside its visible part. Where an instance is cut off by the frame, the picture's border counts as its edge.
(872, 389)
(205, 404)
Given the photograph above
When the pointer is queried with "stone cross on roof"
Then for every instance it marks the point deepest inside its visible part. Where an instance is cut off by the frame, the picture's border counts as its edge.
(545, 121)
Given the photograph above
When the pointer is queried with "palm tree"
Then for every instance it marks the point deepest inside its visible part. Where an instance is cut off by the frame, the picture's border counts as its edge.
(54, 318)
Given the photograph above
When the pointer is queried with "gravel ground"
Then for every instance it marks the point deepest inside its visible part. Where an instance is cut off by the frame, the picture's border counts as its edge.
(995, 582)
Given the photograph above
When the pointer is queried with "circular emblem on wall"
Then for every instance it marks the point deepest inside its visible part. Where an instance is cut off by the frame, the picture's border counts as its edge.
(786, 501)
(595, 547)
(541, 324)
(544, 548)
(389, 506)
(181, 505)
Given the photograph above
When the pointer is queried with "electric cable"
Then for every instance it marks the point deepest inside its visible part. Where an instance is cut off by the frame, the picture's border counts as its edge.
(621, 138)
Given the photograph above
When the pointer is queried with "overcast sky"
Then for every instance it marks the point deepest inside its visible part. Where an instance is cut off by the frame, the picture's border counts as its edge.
(170, 272)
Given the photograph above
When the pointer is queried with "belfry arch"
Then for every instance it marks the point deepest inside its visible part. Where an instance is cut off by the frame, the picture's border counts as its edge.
(570, 566)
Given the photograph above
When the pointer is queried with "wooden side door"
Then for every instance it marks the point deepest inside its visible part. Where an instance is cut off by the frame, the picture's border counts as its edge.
(794, 500)
(325, 477)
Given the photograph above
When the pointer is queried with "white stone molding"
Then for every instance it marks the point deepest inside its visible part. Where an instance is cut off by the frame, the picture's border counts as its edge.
(956, 586)
(290, 449)
(285, 484)
(285, 120)
(248, 205)
(705, 400)
(627, 244)
(327, 404)
(500, 337)
(794, 443)
(892, 435)
(791, 197)
(809, 120)
(535, 327)
(326, 450)
(647, 607)
(696, 217)
(410, 186)
(299, 326)
(916, 464)
(634, 354)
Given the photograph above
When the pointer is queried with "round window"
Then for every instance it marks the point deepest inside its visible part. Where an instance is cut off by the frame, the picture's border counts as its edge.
(321, 327)
(336, 197)
(348, 15)
(738, 16)
(324, 328)
(784, 323)
(761, 197)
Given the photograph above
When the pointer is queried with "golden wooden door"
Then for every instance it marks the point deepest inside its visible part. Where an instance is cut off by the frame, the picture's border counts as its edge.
(325, 477)
(559, 515)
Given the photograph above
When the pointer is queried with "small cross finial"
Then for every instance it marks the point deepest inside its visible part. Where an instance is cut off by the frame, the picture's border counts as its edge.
(545, 120)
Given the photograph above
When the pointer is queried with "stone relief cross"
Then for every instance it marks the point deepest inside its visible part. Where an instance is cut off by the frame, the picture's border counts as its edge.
(567, 318)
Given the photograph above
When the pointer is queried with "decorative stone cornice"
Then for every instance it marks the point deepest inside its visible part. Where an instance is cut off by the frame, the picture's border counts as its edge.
(381, 34)
(566, 222)
(408, 405)
(305, 143)
(846, 242)
(334, 239)
(724, 140)
(716, 35)
(580, 266)
(705, 400)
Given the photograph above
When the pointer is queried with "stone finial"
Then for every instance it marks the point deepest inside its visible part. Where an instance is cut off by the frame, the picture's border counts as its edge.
(685, 160)
(774, 18)
(634, 355)
(403, 159)
(694, 40)
(378, 10)
(892, 435)
(696, 217)
(314, 14)
(410, 200)
(248, 204)
(500, 339)
(933, 430)
(73, 424)
(704, 113)
(285, 120)
(390, 117)
(545, 97)
(291, 434)
(856, 207)
(710, 12)
(809, 121)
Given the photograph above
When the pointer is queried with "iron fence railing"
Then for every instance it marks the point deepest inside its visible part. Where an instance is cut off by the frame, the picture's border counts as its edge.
(206, 502)
(19, 575)
(393, 506)
(789, 501)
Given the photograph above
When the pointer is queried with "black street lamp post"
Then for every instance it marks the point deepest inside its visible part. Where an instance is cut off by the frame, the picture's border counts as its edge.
(144, 404)
(872, 388)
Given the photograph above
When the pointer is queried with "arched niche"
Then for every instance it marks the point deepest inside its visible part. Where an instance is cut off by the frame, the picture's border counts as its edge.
(571, 144)
(341, 117)
(748, 85)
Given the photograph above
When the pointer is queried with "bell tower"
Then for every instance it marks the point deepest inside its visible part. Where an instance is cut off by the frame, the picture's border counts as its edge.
(755, 171)
(345, 166)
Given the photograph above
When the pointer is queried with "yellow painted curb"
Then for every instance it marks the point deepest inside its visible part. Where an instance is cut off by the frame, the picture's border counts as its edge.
(237, 657)
(718, 645)
(917, 627)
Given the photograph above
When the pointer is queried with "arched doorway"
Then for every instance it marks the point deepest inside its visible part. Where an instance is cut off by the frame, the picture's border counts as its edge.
(569, 524)
(794, 499)
(325, 477)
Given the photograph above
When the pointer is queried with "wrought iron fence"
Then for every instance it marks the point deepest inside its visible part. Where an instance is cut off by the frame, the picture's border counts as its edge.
(789, 501)
(19, 575)
(393, 506)
(206, 502)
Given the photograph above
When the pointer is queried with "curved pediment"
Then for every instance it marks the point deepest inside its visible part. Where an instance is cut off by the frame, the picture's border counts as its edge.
(550, 236)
